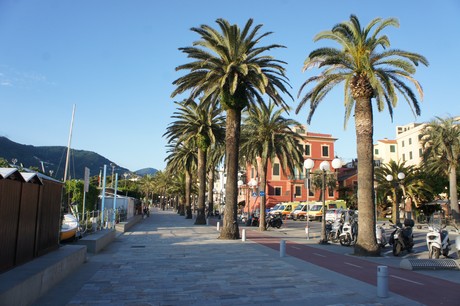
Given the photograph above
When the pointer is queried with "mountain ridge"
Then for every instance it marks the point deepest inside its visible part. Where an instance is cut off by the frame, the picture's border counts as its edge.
(52, 160)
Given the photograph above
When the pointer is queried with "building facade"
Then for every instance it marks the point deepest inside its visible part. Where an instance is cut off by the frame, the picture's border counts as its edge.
(385, 150)
(283, 186)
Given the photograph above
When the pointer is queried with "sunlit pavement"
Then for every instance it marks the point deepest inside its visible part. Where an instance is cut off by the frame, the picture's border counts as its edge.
(167, 260)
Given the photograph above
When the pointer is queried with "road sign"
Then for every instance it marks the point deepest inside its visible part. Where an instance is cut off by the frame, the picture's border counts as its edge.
(261, 193)
(254, 194)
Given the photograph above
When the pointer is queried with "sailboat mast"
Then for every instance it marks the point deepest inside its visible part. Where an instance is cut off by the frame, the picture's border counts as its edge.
(68, 146)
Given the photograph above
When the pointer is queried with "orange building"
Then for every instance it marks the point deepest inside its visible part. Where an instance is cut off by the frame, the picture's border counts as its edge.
(290, 187)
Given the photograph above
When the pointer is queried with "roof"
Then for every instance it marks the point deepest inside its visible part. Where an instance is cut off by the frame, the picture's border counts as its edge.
(15, 175)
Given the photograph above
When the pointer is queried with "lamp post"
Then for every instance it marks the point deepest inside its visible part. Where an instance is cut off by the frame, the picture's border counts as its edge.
(113, 168)
(308, 164)
(325, 167)
(389, 178)
(126, 178)
(251, 184)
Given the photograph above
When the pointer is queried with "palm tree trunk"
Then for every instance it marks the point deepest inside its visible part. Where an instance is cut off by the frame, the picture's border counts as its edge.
(263, 186)
(188, 191)
(453, 193)
(395, 207)
(232, 137)
(366, 244)
(201, 217)
(211, 191)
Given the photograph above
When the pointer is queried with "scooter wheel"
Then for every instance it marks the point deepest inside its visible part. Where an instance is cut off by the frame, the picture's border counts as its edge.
(434, 253)
(345, 241)
(397, 248)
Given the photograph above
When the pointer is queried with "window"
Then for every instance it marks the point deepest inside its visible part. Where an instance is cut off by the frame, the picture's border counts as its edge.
(307, 150)
(376, 151)
(277, 191)
(325, 151)
(298, 191)
(410, 155)
(331, 192)
(420, 152)
(392, 148)
(402, 143)
(276, 169)
(404, 157)
(410, 141)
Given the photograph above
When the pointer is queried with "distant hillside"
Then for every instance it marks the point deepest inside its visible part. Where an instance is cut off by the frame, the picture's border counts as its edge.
(53, 159)
(146, 171)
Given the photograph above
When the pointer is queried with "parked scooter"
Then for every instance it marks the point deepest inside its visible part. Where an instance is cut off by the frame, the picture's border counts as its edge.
(336, 230)
(273, 220)
(349, 233)
(402, 238)
(437, 239)
(380, 235)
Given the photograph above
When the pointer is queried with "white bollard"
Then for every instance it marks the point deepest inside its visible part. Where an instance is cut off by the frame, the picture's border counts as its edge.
(243, 235)
(283, 248)
(207, 221)
(382, 281)
(218, 226)
(307, 232)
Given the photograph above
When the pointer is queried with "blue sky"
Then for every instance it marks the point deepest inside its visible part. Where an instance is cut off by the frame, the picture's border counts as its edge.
(116, 61)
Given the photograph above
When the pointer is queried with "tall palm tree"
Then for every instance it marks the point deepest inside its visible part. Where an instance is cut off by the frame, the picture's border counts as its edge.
(182, 157)
(266, 135)
(369, 70)
(411, 187)
(441, 143)
(229, 67)
(204, 124)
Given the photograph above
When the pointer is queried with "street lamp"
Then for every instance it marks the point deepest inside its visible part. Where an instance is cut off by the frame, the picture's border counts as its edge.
(389, 178)
(252, 184)
(113, 168)
(325, 167)
(308, 164)
(126, 177)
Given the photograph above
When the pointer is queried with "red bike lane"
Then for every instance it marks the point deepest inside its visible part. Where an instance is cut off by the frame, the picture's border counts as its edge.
(415, 286)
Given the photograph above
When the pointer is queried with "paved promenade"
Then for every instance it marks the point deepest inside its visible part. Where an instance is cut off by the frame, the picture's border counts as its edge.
(166, 260)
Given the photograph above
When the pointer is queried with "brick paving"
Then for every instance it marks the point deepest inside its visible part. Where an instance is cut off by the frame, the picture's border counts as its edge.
(167, 260)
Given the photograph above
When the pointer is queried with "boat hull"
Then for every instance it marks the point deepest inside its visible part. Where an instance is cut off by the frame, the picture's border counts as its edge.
(69, 227)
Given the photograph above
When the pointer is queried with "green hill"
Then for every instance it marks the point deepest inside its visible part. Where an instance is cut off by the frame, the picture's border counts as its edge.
(52, 159)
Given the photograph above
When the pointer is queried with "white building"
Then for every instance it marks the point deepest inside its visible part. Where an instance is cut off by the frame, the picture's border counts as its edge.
(408, 140)
(385, 150)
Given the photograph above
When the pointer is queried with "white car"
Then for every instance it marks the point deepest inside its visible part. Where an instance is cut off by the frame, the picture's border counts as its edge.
(333, 214)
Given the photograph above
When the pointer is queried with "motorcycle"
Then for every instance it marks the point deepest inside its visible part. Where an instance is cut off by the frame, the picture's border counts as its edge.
(336, 230)
(273, 220)
(437, 239)
(349, 233)
(380, 235)
(402, 238)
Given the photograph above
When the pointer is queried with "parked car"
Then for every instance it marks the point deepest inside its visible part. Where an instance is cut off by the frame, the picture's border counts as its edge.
(333, 214)
(316, 210)
(300, 212)
(284, 210)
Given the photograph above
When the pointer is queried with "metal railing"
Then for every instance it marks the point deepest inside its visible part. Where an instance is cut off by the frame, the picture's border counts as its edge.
(91, 221)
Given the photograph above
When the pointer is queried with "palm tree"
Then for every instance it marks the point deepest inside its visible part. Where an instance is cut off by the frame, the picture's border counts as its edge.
(147, 187)
(183, 158)
(367, 73)
(204, 124)
(229, 67)
(441, 143)
(266, 135)
(411, 187)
